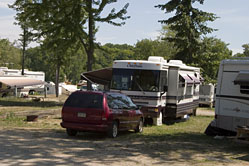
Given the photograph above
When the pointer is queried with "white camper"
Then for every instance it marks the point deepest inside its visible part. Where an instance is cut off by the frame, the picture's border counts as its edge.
(164, 90)
(207, 95)
(183, 90)
(232, 97)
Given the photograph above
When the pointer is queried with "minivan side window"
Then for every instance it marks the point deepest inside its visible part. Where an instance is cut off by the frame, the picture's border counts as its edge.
(85, 100)
(119, 101)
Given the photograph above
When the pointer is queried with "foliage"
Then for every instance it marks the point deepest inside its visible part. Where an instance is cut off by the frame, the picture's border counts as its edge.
(212, 51)
(10, 55)
(245, 52)
(189, 24)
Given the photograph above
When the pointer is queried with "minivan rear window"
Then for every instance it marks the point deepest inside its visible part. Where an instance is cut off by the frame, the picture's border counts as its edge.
(85, 100)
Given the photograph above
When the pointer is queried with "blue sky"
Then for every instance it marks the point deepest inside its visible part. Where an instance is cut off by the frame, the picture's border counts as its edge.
(233, 24)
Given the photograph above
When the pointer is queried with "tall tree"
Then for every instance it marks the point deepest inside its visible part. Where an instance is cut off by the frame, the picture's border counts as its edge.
(68, 21)
(189, 23)
(212, 51)
(94, 8)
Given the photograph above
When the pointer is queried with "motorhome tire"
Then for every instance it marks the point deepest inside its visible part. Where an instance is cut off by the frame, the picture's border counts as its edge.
(194, 111)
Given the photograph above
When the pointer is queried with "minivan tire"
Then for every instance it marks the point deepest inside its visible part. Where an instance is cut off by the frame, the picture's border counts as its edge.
(71, 132)
(113, 130)
(139, 128)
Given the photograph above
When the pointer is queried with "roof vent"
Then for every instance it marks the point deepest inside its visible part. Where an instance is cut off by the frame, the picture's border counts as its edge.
(176, 62)
(157, 59)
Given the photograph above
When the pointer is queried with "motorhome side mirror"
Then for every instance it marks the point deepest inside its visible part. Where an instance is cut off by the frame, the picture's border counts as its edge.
(165, 88)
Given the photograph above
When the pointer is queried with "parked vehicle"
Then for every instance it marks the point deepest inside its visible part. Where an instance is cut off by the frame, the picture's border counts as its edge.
(232, 98)
(207, 95)
(101, 112)
(162, 89)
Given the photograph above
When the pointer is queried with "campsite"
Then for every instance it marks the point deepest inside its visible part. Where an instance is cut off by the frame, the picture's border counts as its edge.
(44, 142)
(111, 82)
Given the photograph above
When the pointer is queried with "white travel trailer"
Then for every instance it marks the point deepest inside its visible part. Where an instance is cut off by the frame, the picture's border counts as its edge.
(183, 90)
(163, 90)
(232, 97)
(207, 95)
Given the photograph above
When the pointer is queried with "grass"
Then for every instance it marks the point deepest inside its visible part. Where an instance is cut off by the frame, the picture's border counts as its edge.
(11, 105)
(179, 142)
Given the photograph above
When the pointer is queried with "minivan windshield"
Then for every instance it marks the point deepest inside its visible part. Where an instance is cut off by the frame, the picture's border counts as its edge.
(85, 100)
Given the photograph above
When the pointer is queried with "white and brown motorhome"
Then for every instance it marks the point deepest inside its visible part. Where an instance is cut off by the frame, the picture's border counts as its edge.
(232, 97)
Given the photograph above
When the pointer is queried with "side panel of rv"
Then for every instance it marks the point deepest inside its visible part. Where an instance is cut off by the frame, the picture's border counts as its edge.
(232, 99)
(183, 94)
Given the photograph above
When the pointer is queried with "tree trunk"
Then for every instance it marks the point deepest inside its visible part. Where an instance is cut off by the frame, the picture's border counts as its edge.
(23, 48)
(57, 80)
(90, 50)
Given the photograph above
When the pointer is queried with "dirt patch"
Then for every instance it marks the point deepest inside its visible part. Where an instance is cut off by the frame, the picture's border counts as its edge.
(39, 147)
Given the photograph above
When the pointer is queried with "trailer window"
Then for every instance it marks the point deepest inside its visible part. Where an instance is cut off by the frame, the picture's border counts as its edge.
(244, 89)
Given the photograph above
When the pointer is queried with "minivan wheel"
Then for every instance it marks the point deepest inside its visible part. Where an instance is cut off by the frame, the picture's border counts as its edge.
(139, 128)
(113, 130)
(71, 132)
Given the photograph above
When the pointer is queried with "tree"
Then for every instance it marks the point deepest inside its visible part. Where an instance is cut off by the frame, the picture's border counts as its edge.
(10, 55)
(189, 23)
(209, 56)
(94, 9)
(67, 21)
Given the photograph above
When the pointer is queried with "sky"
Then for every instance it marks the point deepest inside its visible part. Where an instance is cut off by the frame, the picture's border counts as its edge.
(232, 24)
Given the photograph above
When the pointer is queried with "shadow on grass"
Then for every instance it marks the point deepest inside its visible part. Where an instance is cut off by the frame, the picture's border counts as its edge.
(54, 147)
(29, 103)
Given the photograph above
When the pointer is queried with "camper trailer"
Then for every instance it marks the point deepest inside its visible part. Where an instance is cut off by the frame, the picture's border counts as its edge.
(163, 90)
(207, 95)
(12, 80)
(232, 97)
(183, 90)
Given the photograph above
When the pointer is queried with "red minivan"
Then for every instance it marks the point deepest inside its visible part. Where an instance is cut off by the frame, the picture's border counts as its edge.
(100, 111)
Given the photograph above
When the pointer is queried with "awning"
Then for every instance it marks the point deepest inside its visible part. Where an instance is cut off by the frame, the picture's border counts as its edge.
(187, 78)
(20, 81)
(242, 78)
(195, 79)
(102, 76)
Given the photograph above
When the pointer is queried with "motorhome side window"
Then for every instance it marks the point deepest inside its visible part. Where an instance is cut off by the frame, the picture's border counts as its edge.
(163, 80)
(181, 82)
(244, 89)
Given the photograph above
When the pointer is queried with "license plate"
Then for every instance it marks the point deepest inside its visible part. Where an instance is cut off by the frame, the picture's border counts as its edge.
(81, 114)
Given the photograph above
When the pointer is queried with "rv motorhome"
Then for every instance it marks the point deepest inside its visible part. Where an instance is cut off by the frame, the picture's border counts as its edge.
(163, 90)
(207, 95)
(232, 98)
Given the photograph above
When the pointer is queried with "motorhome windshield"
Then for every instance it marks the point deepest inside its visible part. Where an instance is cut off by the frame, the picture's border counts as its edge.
(135, 80)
